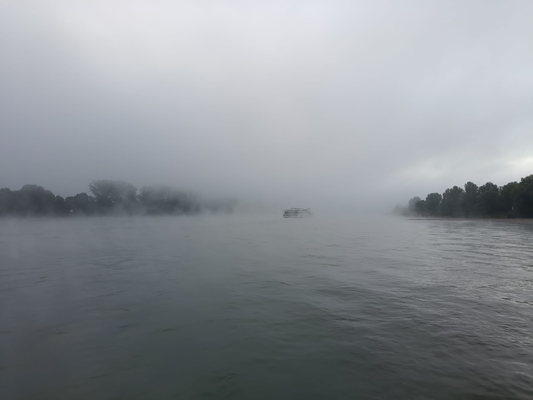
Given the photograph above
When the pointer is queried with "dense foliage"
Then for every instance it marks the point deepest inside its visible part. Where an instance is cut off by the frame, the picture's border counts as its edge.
(513, 200)
(108, 197)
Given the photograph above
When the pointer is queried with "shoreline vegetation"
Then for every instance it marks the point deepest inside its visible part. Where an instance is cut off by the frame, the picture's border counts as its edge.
(526, 221)
(109, 197)
(489, 201)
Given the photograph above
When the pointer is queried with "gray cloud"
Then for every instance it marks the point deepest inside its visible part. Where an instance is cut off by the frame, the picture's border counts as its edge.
(325, 102)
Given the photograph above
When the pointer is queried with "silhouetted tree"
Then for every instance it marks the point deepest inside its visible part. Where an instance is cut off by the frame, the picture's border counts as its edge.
(469, 199)
(6, 201)
(489, 199)
(35, 200)
(109, 196)
(451, 202)
(60, 208)
(514, 199)
(523, 197)
(420, 207)
(82, 203)
(433, 203)
(506, 197)
(114, 196)
(30, 200)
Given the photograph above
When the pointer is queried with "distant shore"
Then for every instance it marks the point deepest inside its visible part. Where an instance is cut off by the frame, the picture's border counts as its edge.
(109, 197)
(514, 200)
(513, 220)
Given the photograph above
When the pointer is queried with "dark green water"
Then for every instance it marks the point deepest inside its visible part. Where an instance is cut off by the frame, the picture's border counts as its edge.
(265, 308)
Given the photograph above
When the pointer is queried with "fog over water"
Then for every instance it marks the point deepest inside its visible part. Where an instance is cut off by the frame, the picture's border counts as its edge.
(337, 103)
(333, 105)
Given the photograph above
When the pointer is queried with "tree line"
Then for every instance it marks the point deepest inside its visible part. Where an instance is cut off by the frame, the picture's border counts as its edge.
(108, 197)
(513, 200)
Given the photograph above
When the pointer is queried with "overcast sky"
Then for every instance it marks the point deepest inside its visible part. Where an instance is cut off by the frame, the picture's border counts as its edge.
(296, 102)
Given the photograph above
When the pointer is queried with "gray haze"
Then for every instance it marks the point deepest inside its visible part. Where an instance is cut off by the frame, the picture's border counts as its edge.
(298, 103)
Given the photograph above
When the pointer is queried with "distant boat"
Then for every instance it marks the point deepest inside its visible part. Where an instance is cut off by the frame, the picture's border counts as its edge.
(297, 213)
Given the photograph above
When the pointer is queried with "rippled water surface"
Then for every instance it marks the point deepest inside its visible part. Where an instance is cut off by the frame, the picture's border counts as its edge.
(265, 308)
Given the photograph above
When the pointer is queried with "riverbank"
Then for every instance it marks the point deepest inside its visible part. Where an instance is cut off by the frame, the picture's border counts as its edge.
(512, 220)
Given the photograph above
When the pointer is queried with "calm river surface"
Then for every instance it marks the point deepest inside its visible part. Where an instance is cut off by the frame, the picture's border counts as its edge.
(265, 308)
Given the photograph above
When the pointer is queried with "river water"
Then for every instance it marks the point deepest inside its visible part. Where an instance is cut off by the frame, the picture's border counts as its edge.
(262, 307)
